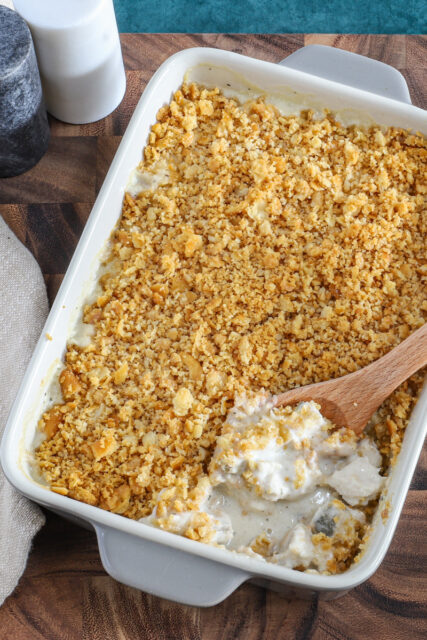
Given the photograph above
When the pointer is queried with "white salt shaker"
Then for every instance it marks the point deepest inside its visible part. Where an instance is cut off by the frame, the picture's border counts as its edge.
(79, 56)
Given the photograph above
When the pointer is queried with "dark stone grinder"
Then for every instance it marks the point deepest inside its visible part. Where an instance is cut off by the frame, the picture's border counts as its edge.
(24, 129)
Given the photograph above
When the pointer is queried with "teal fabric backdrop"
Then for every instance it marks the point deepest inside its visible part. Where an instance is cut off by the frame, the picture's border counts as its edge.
(272, 16)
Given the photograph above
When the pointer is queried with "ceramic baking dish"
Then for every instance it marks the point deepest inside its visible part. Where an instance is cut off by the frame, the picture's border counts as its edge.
(156, 561)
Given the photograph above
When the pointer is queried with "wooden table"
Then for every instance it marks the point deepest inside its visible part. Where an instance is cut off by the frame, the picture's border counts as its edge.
(64, 593)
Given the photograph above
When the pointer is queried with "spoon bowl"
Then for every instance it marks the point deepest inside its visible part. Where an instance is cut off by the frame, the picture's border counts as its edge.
(350, 401)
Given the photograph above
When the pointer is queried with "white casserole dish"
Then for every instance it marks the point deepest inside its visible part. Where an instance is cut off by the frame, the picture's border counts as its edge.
(156, 561)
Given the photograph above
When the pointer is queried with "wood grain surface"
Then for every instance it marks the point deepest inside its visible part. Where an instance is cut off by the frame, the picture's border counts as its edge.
(64, 593)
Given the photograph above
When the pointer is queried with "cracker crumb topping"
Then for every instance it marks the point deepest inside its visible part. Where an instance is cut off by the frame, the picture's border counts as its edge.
(275, 251)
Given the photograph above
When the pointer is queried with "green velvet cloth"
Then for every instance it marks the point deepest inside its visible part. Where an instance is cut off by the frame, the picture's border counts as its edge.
(271, 16)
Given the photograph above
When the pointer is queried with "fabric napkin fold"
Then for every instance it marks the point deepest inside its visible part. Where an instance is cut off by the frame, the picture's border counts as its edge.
(23, 310)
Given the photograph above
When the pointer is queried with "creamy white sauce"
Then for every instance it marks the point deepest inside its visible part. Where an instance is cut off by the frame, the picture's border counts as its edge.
(82, 334)
(250, 515)
(278, 478)
(142, 181)
(357, 482)
(288, 101)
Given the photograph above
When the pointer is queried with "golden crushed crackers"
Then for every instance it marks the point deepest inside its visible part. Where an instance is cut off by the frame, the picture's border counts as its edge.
(275, 252)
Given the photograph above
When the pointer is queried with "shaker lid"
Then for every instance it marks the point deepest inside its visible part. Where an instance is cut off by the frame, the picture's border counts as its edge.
(58, 14)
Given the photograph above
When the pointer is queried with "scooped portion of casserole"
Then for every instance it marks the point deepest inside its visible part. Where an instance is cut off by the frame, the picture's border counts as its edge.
(283, 484)
(255, 251)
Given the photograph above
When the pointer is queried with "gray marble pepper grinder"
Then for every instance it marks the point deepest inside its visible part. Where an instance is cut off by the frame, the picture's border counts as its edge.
(24, 129)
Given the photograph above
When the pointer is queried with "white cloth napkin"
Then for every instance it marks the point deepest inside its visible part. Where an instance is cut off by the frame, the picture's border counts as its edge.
(23, 310)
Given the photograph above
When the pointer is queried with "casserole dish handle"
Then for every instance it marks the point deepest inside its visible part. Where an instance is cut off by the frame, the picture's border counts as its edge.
(165, 571)
(351, 69)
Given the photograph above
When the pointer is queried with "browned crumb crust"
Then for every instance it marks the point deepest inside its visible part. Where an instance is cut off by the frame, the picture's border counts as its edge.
(281, 250)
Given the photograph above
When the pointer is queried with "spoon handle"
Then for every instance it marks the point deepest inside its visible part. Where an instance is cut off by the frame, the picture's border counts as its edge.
(399, 364)
(365, 390)
(352, 399)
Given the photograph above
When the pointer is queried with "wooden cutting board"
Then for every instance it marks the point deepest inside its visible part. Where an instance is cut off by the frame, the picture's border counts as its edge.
(64, 593)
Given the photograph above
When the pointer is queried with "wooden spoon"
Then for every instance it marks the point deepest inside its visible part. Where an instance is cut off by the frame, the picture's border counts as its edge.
(350, 401)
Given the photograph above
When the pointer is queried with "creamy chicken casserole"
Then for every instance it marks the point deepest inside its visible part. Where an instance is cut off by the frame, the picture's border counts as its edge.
(256, 252)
